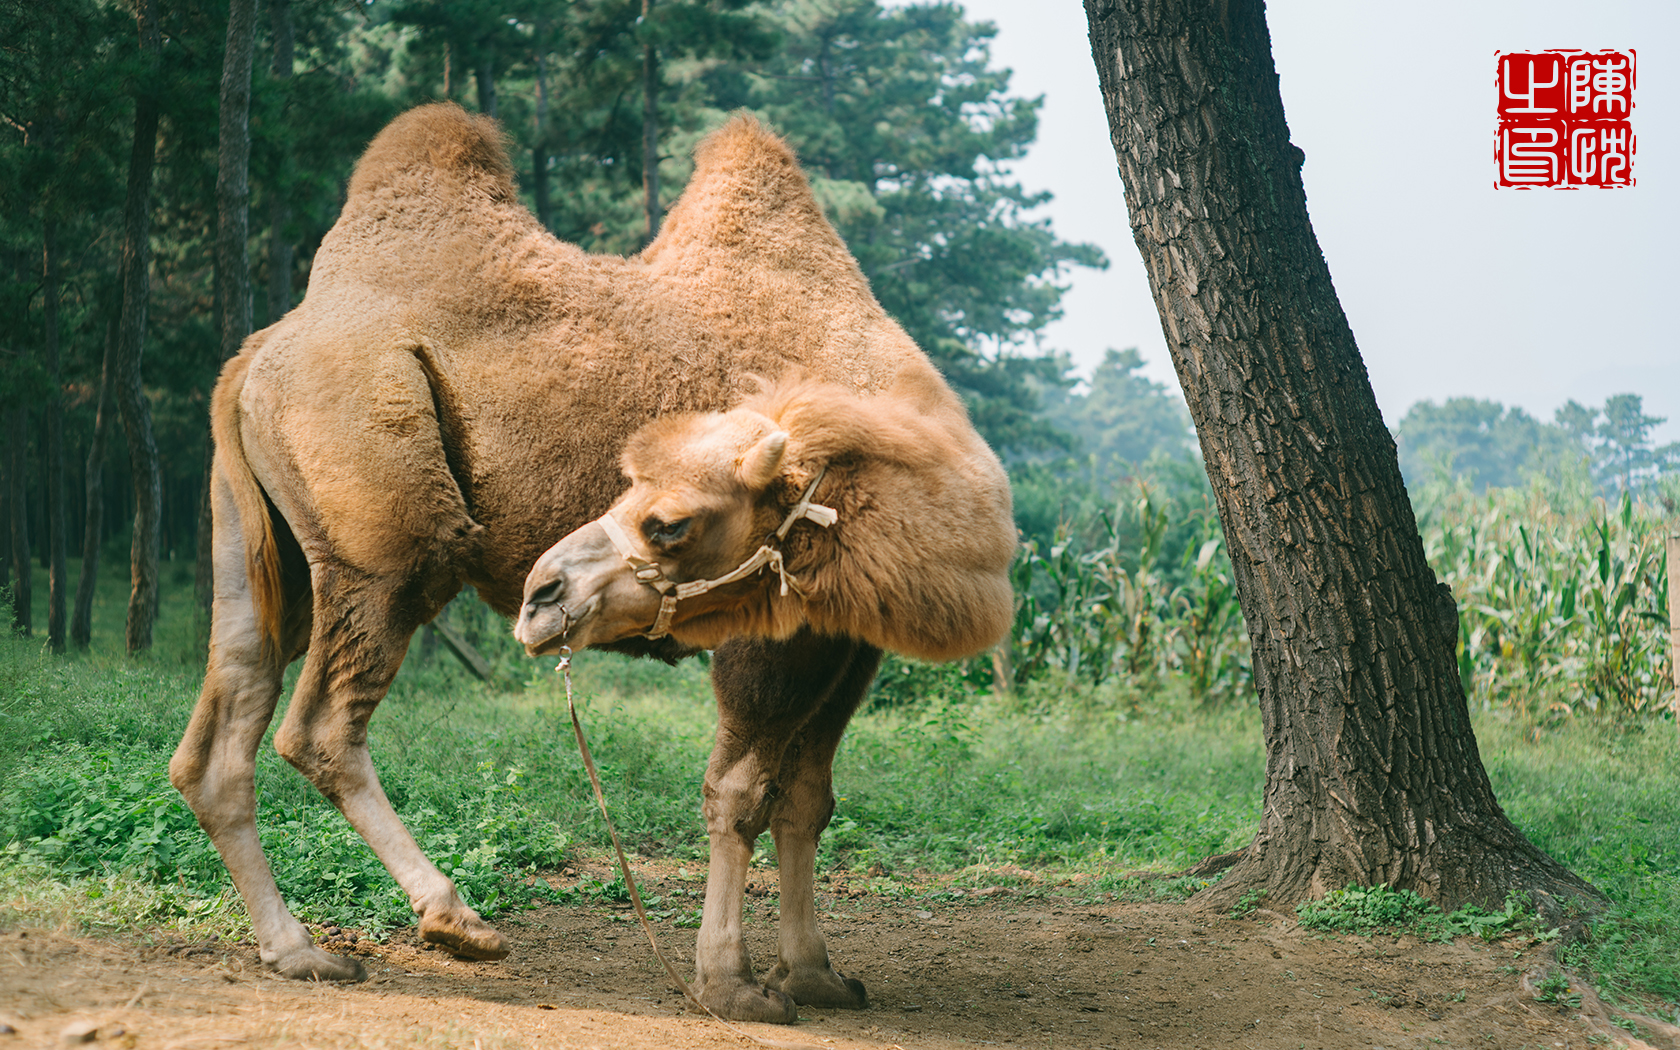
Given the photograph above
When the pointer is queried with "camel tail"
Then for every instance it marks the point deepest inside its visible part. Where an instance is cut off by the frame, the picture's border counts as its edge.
(262, 554)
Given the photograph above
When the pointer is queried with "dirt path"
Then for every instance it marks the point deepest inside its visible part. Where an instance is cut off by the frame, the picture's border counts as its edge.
(994, 968)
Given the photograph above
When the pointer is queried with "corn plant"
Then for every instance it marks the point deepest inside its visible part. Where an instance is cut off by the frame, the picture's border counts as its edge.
(1092, 611)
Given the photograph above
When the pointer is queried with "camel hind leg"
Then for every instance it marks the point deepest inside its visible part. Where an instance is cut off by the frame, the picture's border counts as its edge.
(214, 768)
(362, 626)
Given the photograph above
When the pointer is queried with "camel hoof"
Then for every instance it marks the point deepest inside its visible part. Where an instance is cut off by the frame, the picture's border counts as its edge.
(313, 964)
(749, 1002)
(469, 936)
(824, 988)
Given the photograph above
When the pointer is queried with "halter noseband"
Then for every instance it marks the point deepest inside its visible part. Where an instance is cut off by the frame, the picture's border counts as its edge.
(652, 573)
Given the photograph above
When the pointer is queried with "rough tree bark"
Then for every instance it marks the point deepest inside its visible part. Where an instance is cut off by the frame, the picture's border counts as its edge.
(131, 341)
(81, 618)
(1372, 775)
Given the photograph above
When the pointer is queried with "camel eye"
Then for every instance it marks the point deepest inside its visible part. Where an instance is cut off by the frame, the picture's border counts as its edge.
(665, 533)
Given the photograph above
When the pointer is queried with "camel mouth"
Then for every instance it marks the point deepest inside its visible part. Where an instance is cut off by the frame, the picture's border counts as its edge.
(545, 627)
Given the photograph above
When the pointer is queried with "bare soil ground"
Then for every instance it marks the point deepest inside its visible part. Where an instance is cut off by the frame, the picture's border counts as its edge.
(996, 967)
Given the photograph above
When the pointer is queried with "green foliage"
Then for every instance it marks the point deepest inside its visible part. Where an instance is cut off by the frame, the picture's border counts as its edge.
(1481, 441)
(1360, 909)
(1124, 419)
(1604, 799)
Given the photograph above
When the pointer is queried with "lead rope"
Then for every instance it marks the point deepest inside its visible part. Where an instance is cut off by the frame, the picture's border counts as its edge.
(565, 669)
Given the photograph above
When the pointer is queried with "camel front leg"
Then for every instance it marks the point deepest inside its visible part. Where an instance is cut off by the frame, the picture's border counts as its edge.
(782, 707)
(738, 793)
(803, 970)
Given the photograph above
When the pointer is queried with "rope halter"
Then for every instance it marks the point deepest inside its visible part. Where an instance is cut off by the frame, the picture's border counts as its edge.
(652, 573)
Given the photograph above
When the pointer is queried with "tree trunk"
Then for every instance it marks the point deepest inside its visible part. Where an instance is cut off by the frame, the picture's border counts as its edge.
(233, 261)
(81, 619)
(131, 341)
(279, 206)
(17, 475)
(57, 571)
(1373, 775)
(650, 126)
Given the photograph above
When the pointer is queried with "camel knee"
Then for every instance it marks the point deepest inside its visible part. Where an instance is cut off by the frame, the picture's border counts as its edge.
(323, 751)
(740, 801)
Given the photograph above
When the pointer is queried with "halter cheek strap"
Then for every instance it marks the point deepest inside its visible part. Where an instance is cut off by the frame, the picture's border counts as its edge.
(652, 573)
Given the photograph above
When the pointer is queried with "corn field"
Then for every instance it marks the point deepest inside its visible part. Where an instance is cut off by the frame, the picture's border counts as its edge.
(1562, 601)
(1562, 598)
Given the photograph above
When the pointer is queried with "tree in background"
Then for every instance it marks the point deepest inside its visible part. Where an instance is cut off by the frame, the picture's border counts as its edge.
(131, 337)
(1481, 440)
(1125, 418)
(1619, 439)
(1495, 447)
(1373, 776)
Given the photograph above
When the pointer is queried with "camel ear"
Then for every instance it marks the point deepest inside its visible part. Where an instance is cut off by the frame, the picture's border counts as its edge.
(758, 467)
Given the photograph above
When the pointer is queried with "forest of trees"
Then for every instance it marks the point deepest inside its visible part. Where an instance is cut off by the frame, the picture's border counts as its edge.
(1492, 446)
(134, 137)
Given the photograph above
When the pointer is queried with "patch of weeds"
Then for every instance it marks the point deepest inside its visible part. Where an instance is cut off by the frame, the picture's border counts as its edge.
(1180, 889)
(1555, 989)
(1362, 909)
(1518, 916)
(1247, 903)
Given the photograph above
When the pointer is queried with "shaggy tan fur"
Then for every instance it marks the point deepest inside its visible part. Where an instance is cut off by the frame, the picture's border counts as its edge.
(452, 396)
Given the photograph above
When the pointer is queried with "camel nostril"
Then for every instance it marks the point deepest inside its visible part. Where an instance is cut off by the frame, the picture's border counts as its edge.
(547, 594)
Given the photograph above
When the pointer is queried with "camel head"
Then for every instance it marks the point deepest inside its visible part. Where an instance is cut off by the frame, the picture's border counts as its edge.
(692, 550)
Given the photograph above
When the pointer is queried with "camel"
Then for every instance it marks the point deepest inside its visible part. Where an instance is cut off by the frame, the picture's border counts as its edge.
(454, 393)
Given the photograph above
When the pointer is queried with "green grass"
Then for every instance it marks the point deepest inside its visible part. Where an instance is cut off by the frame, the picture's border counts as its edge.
(1606, 802)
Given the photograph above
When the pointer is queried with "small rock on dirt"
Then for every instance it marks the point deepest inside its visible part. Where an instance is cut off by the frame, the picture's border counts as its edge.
(78, 1032)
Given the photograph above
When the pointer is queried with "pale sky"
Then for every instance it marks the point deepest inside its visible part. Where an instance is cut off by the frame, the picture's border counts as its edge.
(1452, 287)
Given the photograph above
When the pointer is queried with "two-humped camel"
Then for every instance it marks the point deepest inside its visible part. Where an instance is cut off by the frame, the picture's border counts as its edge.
(454, 394)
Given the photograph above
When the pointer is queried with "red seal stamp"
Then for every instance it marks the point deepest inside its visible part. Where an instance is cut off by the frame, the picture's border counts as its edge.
(1565, 119)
